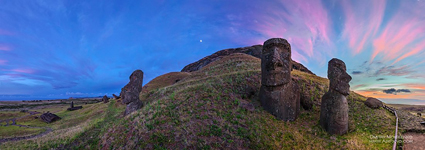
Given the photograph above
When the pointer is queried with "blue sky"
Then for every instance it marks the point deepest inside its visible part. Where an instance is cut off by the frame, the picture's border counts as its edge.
(53, 48)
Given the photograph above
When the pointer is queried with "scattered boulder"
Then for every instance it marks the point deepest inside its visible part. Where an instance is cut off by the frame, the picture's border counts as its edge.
(306, 102)
(130, 92)
(105, 99)
(115, 96)
(334, 107)
(49, 117)
(373, 103)
(419, 114)
(279, 94)
(255, 50)
(72, 108)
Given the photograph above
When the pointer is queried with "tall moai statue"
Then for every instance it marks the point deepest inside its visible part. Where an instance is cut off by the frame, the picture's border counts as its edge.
(72, 104)
(334, 108)
(279, 94)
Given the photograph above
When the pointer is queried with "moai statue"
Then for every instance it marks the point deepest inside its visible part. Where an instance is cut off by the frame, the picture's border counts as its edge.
(72, 104)
(130, 92)
(279, 94)
(334, 108)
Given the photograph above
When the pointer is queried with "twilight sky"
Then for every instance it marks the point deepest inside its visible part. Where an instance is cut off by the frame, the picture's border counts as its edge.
(61, 49)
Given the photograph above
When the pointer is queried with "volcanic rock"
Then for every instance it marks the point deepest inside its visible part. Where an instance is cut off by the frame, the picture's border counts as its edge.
(334, 107)
(133, 106)
(130, 92)
(115, 96)
(254, 50)
(279, 95)
(105, 99)
(49, 117)
(373, 103)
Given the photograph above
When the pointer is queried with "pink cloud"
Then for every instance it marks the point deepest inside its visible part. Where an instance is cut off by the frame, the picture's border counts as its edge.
(3, 62)
(359, 29)
(305, 24)
(4, 47)
(28, 71)
(403, 36)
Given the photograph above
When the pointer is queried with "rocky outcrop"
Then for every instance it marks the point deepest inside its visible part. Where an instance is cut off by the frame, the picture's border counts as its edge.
(279, 94)
(251, 50)
(49, 117)
(334, 107)
(105, 99)
(130, 92)
(373, 103)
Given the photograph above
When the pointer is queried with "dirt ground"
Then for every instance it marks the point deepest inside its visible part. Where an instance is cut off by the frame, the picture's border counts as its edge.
(414, 141)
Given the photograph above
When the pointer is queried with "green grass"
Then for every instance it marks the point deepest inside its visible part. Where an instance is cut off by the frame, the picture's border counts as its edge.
(11, 114)
(206, 111)
(15, 131)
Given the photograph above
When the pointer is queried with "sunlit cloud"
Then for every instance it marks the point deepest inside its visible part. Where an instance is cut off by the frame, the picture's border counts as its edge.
(28, 71)
(403, 36)
(305, 25)
(3, 62)
(363, 19)
(4, 47)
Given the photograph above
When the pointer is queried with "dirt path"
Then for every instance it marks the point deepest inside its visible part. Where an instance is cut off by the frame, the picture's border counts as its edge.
(2, 140)
(414, 141)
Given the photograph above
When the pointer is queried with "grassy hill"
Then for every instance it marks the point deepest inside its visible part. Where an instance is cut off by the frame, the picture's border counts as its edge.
(217, 107)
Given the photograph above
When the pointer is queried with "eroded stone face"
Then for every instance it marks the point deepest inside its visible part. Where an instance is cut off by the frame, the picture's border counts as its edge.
(276, 62)
(279, 95)
(131, 91)
(338, 77)
(334, 106)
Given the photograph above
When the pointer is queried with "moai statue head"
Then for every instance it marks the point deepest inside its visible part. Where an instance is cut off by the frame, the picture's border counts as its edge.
(338, 77)
(276, 62)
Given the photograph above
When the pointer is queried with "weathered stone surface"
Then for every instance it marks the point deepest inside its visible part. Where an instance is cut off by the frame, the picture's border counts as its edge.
(334, 107)
(133, 106)
(279, 95)
(105, 99)
(334, 113)
(281, 101)
(49, 117)
(338, 77)
(254, 50)
(306, 102)
(373, 103)
(115, 96)
(130, 92)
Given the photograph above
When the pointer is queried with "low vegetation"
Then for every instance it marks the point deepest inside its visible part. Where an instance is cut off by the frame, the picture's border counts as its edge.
(216, 107)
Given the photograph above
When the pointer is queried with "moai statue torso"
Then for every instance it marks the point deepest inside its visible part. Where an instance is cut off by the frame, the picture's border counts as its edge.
(279, 95)
(334, 107)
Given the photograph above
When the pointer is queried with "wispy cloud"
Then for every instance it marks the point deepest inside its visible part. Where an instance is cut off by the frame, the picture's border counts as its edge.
(403, 36)
(363, 19)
